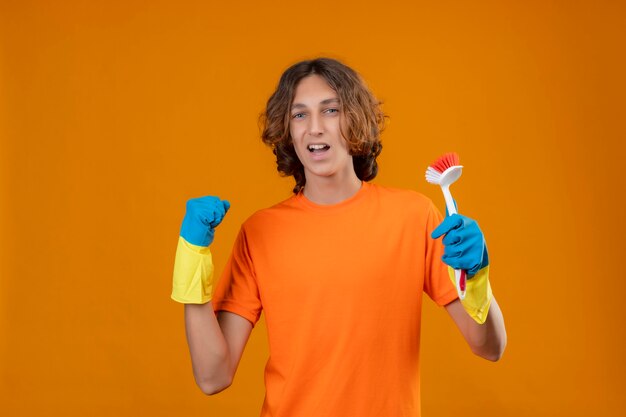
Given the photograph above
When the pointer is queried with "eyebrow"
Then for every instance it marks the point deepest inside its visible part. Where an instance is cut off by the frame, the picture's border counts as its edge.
(323, 103)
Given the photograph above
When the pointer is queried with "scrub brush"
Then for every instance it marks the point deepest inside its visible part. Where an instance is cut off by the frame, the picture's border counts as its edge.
(443, 172)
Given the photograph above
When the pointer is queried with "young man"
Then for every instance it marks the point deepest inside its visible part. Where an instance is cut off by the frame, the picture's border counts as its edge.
(339, 268)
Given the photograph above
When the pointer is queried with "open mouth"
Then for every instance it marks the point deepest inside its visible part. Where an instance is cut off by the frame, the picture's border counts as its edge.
(318, 148)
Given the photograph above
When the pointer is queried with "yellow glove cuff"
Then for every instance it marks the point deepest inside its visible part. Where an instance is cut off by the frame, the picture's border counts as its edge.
(478, 294)
(193, 274)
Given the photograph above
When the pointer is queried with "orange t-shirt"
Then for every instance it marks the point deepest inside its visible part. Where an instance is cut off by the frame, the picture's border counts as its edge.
(341, 288)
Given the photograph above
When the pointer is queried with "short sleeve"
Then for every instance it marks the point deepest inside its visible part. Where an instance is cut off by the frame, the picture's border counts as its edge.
(437, 282)
(237, 290)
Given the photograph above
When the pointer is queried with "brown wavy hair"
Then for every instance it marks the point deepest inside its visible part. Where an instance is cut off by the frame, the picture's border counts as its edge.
(362, 118)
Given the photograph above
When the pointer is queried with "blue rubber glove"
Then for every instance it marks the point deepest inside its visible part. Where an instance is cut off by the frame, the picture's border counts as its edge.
(464, 243)
(203, 215)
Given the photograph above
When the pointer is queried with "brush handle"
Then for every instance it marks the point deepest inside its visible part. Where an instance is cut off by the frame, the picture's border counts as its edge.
(449, 200)
(460, 276)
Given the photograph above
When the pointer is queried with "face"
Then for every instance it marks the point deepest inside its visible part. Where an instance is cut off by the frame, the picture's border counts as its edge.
(315, 127)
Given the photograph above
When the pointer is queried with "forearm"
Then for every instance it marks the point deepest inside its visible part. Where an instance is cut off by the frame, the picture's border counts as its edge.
(487, 340)
(209, 351)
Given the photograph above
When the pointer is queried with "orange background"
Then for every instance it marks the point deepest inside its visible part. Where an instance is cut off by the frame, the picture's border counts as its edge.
(113, 114)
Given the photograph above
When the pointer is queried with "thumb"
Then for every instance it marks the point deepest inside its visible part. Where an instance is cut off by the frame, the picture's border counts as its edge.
(449, 223)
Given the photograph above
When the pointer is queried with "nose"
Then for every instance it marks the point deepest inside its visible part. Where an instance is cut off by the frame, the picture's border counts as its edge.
(315, 125)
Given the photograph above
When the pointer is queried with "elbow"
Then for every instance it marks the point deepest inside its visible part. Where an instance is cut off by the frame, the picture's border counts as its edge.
(491, 353)
(214, 385)
(493, 356)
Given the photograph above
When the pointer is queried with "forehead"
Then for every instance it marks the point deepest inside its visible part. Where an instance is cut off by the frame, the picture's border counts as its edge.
(312, 90)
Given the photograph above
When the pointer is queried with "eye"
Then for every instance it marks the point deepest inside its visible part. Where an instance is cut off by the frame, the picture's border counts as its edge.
(297, 116)
(332, 111)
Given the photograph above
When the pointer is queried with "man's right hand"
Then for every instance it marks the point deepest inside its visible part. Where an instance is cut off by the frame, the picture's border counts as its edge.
(203, 215)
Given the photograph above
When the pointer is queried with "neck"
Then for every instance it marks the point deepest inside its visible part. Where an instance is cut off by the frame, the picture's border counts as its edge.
(333, 189)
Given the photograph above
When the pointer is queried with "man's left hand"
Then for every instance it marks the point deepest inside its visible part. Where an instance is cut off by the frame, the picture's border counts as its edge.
(464, 243)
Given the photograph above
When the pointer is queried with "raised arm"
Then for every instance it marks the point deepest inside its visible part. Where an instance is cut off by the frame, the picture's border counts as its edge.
(478, 315)
(216, 343)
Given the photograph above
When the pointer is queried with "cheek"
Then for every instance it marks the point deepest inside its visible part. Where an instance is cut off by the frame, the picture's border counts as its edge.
(341, 128)
(295, 129)
(343, 124)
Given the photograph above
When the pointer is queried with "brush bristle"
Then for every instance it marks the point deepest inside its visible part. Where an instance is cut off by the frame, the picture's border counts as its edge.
(433, 176)
(446, 161)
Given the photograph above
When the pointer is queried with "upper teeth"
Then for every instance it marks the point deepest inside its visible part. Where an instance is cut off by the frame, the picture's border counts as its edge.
(317, 146)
